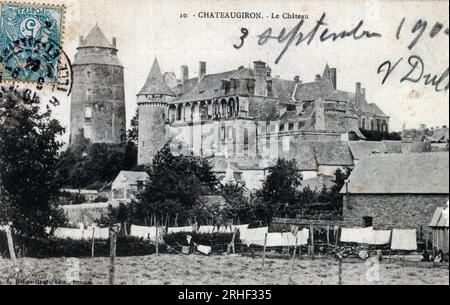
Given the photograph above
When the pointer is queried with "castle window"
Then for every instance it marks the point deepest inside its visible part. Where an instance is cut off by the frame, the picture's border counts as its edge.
(88, 112)
(291, 126)
(282, 127)
(89, 95)
(222, 129)
(363, 123)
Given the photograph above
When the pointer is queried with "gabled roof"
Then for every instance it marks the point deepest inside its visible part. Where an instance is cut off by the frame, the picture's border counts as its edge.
(361, 149)
(133, 176)
(155, 84)
(421, 173)
(208, 88)
(96, 38)
(315, 90)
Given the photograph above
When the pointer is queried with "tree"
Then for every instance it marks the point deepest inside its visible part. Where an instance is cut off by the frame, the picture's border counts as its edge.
(133, 132)
(279, 191)
(175, 186)
(28, 157)
(237, 205)
(374, 135)
(95, 165)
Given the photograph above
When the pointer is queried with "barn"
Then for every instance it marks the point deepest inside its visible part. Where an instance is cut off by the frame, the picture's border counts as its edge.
(439, 225)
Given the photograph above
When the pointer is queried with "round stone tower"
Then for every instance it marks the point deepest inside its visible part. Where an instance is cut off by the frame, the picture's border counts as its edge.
(98, 95)
(152, 103)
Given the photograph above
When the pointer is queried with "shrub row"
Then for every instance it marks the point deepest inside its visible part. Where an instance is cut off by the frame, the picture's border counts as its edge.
(126, 246)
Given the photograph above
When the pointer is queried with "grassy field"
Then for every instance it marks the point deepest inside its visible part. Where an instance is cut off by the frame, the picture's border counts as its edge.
(224, 270)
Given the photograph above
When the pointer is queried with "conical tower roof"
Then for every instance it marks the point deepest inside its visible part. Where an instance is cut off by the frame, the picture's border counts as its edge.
(326, 71)
(96, 38)
(155, 83)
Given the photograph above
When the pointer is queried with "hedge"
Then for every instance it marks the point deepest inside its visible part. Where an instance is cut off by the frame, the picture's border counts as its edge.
(126, 246)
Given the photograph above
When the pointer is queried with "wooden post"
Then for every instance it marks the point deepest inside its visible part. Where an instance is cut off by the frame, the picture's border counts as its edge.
(231, 245)
(156, 242)
(93, 242)
(340, 271)
(12, 253)
(336, 237)
(427, 236)
(328, 234)
(295, 251)
(112, 257)
(264, 250)
(312, 241)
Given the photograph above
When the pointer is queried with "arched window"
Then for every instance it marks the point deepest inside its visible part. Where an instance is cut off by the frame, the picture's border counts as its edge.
(179, 111)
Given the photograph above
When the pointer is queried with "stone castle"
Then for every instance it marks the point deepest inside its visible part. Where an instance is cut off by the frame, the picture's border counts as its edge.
(98, 96)
(246, 118)
(248, 112)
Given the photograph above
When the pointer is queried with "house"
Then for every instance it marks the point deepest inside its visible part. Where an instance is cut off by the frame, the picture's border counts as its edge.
(439, 225)
(396, 190)
(127, 184)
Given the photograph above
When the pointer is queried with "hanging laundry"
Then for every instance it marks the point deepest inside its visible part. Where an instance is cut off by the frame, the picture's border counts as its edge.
(147, 232)
(206, 229)
(239, 227)
(254, 236)
(187, 229)
(204, 249)
(67, 233)
(367, 236)
(404, 240)
(382, 237)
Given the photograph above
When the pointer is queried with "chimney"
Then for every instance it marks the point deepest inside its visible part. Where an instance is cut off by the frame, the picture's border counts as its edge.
(333, 75)
(260, 68)
(363, 93)
(358, 95)
(201, 70)
(114, 42)
(318, 78)
(184, 74)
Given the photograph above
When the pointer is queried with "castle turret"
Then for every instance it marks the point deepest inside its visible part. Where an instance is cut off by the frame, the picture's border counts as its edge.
(152, 103)
(98, 95)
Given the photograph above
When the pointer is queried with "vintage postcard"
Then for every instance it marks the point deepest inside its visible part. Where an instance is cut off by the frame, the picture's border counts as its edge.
(231, 143)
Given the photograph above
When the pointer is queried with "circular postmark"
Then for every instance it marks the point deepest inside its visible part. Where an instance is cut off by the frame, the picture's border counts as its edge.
(32, 59)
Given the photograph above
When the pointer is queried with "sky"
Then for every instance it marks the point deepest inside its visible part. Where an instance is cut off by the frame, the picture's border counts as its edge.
(146, 29)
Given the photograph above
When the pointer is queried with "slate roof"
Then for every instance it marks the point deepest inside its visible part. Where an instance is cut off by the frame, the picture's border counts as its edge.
(155, 83)
(333, 153)
(361, 149)
(422, 173)
(208, 88)
(304, 154)
(96, 38)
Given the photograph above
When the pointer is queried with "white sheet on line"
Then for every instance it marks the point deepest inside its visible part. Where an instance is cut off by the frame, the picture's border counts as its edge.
(286, 239)
(404, 240)
(367, 236)
(187, 229)
(146, 232)
(239, 227)
(66, 233)
(254, 236)
(206, 229)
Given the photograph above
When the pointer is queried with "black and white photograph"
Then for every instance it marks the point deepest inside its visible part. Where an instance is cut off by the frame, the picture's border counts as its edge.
(237, 144)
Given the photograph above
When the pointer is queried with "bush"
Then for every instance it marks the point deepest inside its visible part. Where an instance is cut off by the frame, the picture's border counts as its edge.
(126, 246)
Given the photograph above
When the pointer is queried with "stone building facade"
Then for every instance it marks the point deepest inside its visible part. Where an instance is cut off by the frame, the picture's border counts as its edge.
(247, 112)
(98, 94)
(397, 190)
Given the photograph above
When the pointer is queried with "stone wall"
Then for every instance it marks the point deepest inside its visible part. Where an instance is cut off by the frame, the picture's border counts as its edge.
(400, 211)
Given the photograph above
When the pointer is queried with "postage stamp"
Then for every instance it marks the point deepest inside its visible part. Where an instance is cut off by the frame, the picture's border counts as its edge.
(30, 42)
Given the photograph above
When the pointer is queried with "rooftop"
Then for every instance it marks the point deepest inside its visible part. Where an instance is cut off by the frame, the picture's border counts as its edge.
(417, 173)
